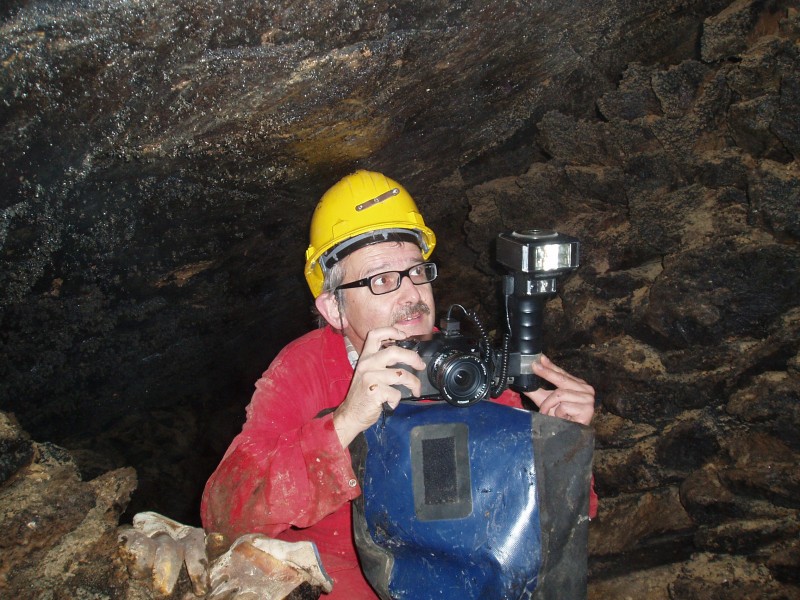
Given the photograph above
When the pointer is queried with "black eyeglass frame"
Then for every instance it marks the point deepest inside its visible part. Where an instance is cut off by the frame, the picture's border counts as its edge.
(365, 282)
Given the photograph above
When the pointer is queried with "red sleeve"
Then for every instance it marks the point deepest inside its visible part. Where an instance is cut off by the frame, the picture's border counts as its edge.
(509, 398)
(287, 467)
(594, 501)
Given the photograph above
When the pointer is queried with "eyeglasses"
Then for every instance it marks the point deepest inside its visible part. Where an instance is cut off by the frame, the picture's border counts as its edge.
(383, 283)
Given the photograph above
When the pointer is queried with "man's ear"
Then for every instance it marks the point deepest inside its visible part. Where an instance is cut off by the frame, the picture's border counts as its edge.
(328, 306)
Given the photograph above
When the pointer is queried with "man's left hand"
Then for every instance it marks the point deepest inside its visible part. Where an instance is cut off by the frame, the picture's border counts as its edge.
(573, 398)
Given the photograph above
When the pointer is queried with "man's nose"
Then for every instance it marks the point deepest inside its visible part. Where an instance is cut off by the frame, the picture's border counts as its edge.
(408, 290)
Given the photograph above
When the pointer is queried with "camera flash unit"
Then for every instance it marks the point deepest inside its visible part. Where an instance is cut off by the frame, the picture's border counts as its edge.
(537, 258)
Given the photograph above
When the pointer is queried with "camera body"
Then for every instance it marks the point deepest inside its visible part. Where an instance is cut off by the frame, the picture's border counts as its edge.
(455, 368)
(463, 370)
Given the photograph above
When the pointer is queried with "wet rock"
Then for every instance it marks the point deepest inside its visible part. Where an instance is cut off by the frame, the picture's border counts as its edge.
(726, 35)
(629, 521)
(714, 494)
(699, 577)
(751, 127)
(785, 122)
(746, 448)
(580, 143)
(634, 98)
(767, 184)
(16, 449)
(784, 563)
(679, 88)
(628, 470)
(747, 537)
(778, 483)
(770, 404)
(688, 443)
(738, 579)
(735, 287)
(727, 168)
(58, 532)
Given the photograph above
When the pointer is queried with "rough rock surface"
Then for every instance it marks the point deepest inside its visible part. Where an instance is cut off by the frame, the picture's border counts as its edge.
(160, 162)
(58, 534)
(685, 189)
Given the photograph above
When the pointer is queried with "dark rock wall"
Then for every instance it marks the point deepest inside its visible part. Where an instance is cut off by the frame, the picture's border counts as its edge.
(160, 162)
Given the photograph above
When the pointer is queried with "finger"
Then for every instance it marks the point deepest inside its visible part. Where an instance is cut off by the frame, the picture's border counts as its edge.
(549, 403)
(577, 413)
(380, 394)
(216, 545)
(407, 379)
(377, 338)
(538, 396)
(302, 555)
(275, 578)
(385, 380)
(559, 377)
(394, 355)
(225, 590)
(545, 360)
(167, 564)
(139, 552)
(195, 559)
(153, 523)
(546, 400)
(389, 356)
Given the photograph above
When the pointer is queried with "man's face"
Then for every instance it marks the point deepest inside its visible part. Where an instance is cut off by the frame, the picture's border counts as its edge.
(409, 308)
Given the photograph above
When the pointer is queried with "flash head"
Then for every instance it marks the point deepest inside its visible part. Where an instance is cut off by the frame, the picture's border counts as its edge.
(539, 252)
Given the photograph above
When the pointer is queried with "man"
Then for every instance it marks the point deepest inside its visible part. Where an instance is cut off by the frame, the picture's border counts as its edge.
(288, 473)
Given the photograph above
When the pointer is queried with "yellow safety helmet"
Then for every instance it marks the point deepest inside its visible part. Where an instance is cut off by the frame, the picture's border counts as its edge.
(361, 209)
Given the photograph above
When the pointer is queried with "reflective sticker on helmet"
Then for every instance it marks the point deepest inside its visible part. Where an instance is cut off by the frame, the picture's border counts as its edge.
(378, 199)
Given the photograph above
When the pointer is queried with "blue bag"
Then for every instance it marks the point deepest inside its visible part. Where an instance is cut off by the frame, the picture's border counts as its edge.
(451, 504)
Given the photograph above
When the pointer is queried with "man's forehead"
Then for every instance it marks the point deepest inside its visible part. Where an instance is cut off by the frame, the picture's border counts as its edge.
(382, 256)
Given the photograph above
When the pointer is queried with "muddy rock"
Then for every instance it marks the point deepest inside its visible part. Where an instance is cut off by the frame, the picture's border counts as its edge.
(59, 532)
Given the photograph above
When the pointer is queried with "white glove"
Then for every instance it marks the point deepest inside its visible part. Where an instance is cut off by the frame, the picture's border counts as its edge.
(158, 547)
(255, 567)
(259, 567)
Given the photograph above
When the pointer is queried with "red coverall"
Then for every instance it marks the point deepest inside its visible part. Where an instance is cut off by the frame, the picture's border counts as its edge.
(286, 474)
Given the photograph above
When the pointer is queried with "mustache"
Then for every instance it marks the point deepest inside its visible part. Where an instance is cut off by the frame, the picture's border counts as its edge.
(411, 311)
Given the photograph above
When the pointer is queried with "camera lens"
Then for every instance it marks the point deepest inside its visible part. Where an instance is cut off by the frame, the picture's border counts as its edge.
(461, 378)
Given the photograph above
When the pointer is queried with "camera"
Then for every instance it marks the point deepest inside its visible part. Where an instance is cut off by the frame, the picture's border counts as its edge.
(455, 368)
(464, 370)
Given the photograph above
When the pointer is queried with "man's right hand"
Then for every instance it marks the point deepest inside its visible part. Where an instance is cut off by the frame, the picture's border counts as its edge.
(375, 375)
